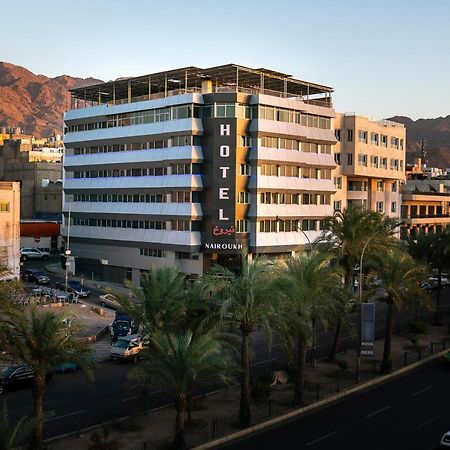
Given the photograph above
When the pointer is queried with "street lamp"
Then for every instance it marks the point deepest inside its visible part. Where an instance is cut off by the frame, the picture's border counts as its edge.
(313, 350)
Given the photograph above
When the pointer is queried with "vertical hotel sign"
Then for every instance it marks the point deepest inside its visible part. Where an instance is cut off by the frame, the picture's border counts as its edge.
(221, 238)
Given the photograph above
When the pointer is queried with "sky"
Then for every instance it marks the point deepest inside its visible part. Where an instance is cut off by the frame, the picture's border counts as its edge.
(383, 58)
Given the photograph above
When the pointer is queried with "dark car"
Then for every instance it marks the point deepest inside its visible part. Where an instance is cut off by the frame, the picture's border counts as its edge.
(75, 287)
(36, 276)
(17, 376)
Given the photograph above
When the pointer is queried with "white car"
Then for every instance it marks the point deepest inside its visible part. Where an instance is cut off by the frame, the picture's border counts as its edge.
(33, 253)
(445, 441)
(109, 300)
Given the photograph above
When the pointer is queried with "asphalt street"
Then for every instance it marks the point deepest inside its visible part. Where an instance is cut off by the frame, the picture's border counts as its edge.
(409, 413)
(74, 403)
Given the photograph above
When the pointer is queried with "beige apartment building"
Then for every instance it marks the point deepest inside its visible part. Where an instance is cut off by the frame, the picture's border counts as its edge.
(39, 169)
(10, 227)
(370, 158)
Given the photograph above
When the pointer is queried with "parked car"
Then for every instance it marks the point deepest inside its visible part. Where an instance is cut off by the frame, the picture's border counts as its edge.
(128, 347)
(123, 325)
(434, 281)
(36, 276)
(33, 253)
(17, 376)
(445, 441)
(428, 286)
(73, 286)
(109, 300)
(77, 288)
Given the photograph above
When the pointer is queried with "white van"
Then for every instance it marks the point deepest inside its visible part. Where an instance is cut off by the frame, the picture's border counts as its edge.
(128, 347)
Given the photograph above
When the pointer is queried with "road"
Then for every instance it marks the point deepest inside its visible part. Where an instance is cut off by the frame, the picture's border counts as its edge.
(409, 413)
(76, 403)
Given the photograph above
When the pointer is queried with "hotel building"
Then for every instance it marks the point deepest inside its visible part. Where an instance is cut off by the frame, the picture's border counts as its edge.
(191, 166)
(370, 158)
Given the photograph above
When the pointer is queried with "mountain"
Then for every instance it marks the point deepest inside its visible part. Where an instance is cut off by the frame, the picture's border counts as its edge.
(436, 133)
(36, 103)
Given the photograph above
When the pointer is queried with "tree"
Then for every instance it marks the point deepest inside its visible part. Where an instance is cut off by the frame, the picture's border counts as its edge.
(248, 300)
(13, 435)
(309, 284)
(433, 249)
(180, 364)
(400, 276)
(41, 340)
(344, 236)
(158, 304)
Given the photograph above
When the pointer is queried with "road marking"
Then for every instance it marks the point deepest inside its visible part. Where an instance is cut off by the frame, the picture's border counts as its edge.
(423, 390)
(378, 411)
(427, 422)
(107, 388)
(321, 438)
(264, 362)
(66, 415)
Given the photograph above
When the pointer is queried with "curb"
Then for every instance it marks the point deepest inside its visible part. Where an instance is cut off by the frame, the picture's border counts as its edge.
(317, 405)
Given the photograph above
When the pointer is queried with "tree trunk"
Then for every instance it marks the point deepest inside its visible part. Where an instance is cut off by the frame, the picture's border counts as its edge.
(337, 331)
(179, 442)
(38, 391)
(300, 371)
(386, 365)
(437, 317)
(244, 407)
(335, 344)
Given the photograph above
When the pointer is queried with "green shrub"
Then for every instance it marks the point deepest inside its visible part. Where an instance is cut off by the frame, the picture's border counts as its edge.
(261, 389)
(96, 438)
(418, 327)
(342, 364)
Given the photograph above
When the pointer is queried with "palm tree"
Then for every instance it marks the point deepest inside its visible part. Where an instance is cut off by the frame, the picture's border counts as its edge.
(433, 249)
(41, 340)
(400, 276)
(309, 284)
(180, 364)
(248, 301)
(14, 435)
(159, 303)
(344, 236)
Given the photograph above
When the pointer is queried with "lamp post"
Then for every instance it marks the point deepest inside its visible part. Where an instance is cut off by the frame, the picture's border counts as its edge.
(313, 350)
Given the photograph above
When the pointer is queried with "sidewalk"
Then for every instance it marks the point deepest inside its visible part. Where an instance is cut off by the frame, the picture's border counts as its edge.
(56, 269)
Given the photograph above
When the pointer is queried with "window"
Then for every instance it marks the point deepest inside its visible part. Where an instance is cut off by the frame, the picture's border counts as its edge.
(337, 205)
(152, 252)
(362, 136)
(374, 138)
(337, 133)
(380, 186)
(362, 159)
(243, 197)
(394, 186)
(384, 140)
(242, 226)
(245, 169)
(383, 163)
(380, 207)
(337, 158)
(4, 206)
(395, 142)
(225, 110)
(374, 162)
(393, 207)
(338, 182)
(349, 159)
(349, 135)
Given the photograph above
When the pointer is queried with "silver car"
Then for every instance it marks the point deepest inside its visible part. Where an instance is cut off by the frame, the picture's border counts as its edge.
(33, 253)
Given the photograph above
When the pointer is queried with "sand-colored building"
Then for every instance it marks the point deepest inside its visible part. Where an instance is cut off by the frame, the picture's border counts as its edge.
(10, 227)
(370, 158)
